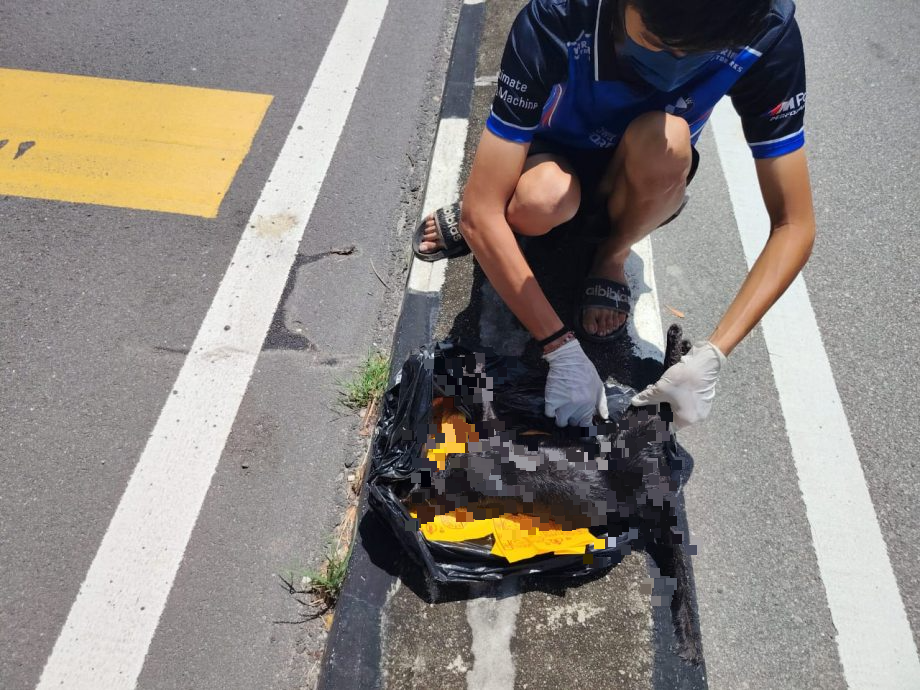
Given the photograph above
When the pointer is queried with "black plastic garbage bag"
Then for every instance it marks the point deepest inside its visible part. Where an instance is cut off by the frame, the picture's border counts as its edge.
(399, 466)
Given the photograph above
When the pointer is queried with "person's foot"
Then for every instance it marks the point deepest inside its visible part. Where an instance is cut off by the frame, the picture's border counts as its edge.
(431, 242)
(438, 236)
(597, 320)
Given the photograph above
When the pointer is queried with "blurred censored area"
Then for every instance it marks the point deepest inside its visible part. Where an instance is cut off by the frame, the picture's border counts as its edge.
(478, 484)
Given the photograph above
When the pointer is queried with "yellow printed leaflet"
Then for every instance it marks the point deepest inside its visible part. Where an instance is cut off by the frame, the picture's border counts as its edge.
(448, 528)
(522, 536)
(516, 537)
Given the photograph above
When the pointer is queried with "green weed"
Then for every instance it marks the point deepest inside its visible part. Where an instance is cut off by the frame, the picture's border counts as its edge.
(368, 383)
(323, 585)
(326, 584)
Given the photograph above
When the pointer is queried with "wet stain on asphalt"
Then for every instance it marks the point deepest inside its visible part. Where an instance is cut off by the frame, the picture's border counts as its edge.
(282, 337)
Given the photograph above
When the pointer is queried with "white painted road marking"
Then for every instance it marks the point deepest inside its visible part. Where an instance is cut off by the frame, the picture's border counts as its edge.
(110, 626)
(874, 638)
(443, 189)
(645, 326)
(492, 622)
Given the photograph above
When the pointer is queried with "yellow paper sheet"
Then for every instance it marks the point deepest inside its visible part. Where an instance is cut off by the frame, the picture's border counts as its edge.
(517, 537)
(522, 536)
(598, 544)
(448, 528)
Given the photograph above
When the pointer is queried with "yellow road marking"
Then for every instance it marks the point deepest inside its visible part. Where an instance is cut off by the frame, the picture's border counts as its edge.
(131, 144)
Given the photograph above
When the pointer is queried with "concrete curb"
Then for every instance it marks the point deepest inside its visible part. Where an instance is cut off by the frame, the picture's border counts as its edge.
(352, 656)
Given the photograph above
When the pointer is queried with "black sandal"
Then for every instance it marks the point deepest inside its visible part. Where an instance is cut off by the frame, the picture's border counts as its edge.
(605, 294)
(447, 224)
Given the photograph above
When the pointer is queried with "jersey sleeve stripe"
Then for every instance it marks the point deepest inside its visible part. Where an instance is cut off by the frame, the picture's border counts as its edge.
(508, 124)
(505, 130)
(778, 147)
(776, 141)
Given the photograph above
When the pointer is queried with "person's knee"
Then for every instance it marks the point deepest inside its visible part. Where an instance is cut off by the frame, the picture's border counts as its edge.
(658, 152)
(543, 200)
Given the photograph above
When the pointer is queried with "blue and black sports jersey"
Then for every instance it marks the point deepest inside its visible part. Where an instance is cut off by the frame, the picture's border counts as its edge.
(561, 79)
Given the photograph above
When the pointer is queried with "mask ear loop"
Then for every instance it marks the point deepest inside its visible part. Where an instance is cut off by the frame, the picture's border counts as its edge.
(618, 31)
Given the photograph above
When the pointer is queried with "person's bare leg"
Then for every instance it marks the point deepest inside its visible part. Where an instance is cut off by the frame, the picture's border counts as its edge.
(646, 185)
(547, 195)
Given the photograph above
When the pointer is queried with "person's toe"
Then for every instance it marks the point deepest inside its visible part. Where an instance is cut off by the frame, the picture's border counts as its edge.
(602, 322)
(598, 319)
(429, 241)
(599, 322)
(589, 321)
(608, 321)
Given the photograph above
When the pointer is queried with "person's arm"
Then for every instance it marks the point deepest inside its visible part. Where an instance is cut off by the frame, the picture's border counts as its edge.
(574, 391)
(787, 195)
(493, 177)
(689, 385)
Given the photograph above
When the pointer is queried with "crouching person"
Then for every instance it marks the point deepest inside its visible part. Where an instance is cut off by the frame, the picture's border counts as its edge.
(598, 109)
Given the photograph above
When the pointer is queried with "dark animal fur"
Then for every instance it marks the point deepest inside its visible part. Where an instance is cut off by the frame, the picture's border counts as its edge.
(622, 478)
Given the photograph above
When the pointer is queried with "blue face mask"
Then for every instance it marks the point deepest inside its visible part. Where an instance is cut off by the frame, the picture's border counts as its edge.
(660, 68)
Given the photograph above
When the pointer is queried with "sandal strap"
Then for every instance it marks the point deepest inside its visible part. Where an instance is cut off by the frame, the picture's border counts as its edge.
(606, 294)
(447, 220)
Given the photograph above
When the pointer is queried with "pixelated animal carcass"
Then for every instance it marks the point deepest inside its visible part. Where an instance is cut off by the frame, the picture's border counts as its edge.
(619, 477)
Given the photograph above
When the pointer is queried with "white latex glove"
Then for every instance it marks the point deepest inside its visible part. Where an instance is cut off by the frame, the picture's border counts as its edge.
(689, 386)
(574, 389)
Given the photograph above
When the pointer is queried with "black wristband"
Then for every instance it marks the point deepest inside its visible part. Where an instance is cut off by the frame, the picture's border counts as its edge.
(558, 334)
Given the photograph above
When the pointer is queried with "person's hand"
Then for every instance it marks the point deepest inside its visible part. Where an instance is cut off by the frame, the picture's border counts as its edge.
(689, 386)
(574, 390)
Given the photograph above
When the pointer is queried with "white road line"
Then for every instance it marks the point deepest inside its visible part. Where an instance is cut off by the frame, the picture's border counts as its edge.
(446, 160)
(492, 622)
(493, 618)
(443, 189)
(645, 326)
(874, 638)
(110, 626)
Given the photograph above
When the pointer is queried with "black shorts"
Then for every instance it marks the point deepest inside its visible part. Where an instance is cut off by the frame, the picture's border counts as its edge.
(589, 166)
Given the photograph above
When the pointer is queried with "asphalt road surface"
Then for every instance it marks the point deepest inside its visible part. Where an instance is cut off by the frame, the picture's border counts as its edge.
(763, 599)
(101, 305)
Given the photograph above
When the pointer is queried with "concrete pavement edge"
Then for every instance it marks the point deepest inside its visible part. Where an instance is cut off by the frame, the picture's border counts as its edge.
(352, 655)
